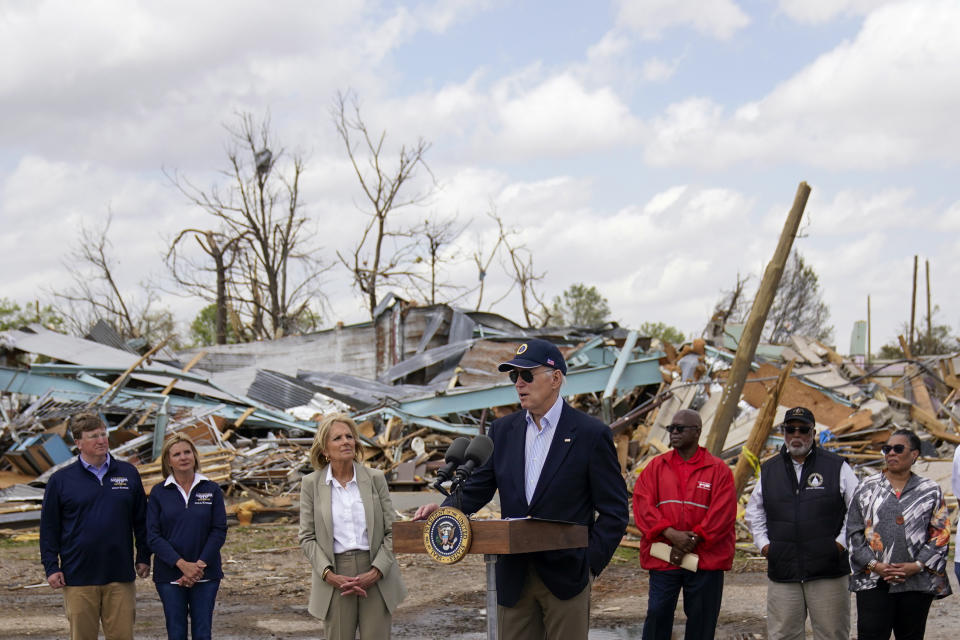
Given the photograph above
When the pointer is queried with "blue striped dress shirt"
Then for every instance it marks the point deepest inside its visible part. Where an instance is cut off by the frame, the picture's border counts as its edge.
(538, 445)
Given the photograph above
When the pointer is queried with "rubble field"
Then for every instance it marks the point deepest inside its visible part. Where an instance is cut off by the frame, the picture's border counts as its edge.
(268, 581)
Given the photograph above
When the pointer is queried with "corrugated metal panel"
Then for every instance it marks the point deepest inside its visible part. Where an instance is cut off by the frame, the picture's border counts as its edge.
(104, 333)
(65, 348)
(279, 390)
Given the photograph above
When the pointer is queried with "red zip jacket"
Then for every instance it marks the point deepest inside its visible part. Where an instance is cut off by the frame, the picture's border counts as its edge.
(707, 505)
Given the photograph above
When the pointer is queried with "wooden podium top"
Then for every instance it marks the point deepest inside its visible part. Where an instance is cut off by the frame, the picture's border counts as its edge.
(500, 536)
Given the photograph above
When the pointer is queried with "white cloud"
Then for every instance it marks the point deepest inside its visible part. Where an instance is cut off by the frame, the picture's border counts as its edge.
(561, 115)
(950, 221)
(820, 11)
(664, 200)
(649, 18)
(852, 211)
(888, 98)
(658, 70)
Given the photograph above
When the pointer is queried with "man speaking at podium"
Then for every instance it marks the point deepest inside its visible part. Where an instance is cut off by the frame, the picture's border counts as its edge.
(553, 462)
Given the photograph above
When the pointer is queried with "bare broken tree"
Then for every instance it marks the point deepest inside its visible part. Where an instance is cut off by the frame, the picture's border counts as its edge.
(96, 294)
(269, 268)
(520, 261)
(436, 236)
(386, 253)
(193, 276)
(518, 265)
(798, 307)
(483, 261)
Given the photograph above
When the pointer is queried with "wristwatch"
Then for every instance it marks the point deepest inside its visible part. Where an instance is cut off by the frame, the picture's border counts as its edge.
(871, 564)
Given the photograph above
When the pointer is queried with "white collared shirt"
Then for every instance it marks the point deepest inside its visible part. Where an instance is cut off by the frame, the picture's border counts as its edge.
(349, 516)
(538, 443)
(756, 516)
(197, 479)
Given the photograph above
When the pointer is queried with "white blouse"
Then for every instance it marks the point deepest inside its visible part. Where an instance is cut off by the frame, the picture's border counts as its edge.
(349, 516)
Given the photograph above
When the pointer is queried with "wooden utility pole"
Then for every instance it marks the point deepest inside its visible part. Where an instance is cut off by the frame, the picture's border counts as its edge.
(913, 303)
(929, 314)
(754, 327)
(869, 330)
(749, 459)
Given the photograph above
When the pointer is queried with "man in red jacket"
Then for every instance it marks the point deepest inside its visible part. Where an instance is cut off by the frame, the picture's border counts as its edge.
(686, 499)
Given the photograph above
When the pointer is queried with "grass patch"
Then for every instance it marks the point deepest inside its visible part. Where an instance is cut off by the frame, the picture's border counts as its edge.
(20, 548)
(625, 555)
(245, 539)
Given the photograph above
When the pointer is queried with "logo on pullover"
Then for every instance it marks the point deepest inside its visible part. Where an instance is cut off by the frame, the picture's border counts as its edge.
(703, 485)
(119, 482)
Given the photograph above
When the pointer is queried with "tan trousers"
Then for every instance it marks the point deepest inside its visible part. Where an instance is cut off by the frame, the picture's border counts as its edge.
(347, 614)
(539, 614)
(114, 604)
(826, 600)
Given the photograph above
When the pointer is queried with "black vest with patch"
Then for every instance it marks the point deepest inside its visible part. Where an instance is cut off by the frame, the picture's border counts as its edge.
(805, 518)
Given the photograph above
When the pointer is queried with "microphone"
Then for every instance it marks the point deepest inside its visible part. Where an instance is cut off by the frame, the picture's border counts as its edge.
(454, 457)
(477, 453)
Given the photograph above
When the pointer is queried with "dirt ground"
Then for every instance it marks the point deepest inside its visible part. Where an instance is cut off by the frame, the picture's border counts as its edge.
(265, 593)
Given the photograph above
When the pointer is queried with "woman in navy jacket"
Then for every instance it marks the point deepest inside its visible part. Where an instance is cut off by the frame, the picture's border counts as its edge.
(186, 527)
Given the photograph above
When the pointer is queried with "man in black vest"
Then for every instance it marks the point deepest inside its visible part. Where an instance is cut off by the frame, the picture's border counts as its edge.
(796, 515)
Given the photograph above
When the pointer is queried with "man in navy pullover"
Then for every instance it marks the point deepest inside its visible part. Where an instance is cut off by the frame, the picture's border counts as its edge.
(91, 511)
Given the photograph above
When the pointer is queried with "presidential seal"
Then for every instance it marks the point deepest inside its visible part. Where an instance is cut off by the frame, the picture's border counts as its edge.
(446, 535)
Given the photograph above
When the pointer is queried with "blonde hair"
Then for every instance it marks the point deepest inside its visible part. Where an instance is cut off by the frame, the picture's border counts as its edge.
(165, 453)
(318, 458)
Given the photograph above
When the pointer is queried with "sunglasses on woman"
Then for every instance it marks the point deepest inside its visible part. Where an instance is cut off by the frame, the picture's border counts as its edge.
(896, 448)
(525, 374)
(790, 429)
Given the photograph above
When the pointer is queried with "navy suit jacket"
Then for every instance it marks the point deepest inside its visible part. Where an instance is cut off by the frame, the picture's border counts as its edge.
(580, 476)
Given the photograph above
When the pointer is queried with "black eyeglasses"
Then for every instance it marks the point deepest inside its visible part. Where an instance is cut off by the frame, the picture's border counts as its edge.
(526, 374)
(801, 430)
(896, 448)
(678, 428)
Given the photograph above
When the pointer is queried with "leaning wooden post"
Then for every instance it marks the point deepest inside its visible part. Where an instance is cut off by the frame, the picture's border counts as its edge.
(749, 461)
(754, 327)
(913, 303)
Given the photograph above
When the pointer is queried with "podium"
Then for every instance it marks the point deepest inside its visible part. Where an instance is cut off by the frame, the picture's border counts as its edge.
(498, 537)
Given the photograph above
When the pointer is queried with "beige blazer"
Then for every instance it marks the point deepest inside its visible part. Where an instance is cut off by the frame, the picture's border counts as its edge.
(316, 535)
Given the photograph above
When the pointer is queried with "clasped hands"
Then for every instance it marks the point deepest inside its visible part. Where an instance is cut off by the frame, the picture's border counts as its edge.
(896, 572)
(192, 572)
(355, 586)
(683, 542)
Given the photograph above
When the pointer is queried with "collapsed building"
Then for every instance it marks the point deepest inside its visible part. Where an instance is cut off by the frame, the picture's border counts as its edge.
(416, 377)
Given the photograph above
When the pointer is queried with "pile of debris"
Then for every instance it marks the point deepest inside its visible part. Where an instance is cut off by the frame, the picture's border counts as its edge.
(415, 378)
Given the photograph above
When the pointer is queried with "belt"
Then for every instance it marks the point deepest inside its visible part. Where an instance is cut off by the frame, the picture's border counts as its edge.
(352, 552)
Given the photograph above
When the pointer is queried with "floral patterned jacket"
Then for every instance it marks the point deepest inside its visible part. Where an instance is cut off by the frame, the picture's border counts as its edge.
(883, 527)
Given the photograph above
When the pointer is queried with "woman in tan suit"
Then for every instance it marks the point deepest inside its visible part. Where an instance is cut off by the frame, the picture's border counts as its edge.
(346, 532)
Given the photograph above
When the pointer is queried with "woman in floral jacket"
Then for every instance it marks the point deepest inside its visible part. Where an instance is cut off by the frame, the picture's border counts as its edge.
(898, 535)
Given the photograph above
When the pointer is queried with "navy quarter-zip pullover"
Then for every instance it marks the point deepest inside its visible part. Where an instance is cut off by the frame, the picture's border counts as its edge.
(87, 525)
(192, 530)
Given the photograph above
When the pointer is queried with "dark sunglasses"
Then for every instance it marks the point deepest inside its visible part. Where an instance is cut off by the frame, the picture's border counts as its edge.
(801, 430)
(896, 448)
(678, 428)
(525, 374)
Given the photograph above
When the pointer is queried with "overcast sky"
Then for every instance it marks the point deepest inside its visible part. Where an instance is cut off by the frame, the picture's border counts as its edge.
(649, 147)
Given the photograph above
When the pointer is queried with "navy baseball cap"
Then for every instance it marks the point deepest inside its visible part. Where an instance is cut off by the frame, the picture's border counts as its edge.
(536, 353)
(800, 414)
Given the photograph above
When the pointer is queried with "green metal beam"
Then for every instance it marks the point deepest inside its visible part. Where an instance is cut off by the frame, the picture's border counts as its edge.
(637, 373)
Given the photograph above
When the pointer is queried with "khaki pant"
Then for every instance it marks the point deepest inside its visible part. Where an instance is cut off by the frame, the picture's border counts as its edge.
(539, 614)
(114, 604)
(827, 600)
(348, 613)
